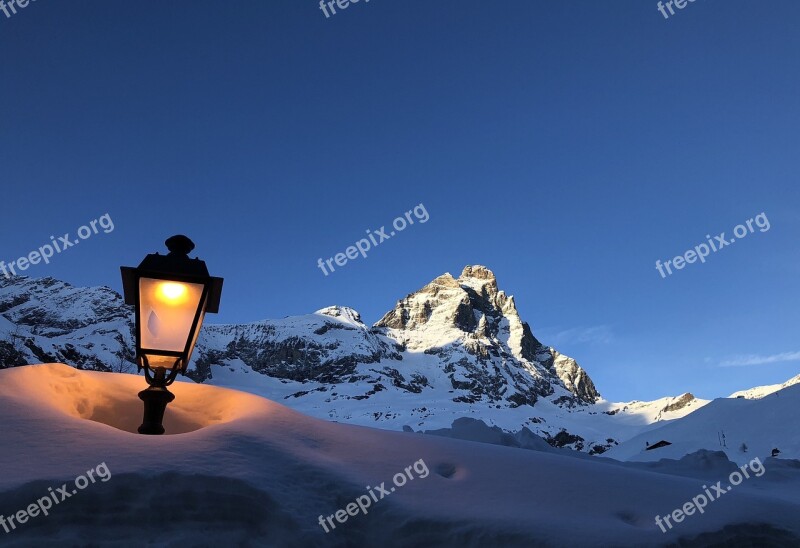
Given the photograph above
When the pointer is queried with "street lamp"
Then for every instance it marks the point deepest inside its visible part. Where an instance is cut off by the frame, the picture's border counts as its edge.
(172, 294)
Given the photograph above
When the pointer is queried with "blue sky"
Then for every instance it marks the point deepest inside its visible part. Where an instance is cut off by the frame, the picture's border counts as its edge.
(565, 145)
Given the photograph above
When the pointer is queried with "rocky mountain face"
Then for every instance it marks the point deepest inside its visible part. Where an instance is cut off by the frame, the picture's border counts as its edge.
(46, 320)
(456, 347)
(323, 347)
(487, 351)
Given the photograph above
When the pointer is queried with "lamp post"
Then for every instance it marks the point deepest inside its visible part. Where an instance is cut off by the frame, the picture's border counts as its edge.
(171, 294)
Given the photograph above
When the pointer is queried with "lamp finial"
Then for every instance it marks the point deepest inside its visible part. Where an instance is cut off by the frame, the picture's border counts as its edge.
(179, 245)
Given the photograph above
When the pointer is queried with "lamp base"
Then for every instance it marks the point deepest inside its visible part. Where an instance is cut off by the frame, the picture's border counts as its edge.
(155, 401)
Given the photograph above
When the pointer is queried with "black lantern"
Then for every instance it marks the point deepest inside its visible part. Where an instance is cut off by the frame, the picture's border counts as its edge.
(171, 293)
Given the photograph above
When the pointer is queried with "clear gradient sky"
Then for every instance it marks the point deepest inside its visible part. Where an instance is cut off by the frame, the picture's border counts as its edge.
(567, 145)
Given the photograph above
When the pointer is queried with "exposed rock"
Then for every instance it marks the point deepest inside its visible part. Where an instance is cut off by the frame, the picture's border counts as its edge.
(476, 330)
(679, 403)
(574, 377)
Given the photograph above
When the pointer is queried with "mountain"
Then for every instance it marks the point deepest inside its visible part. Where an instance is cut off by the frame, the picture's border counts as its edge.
(476, 332)
(47, 320)
(455, 348)
(488, 353)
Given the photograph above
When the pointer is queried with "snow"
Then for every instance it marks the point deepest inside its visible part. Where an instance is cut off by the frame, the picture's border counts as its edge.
(433, 408)
(762, 424)
(649, 412)
(762, 391)
(237, 468)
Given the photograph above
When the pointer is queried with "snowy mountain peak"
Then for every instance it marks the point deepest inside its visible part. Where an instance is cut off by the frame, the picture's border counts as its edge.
(469, 304)
(478, 272)
(344, 313)
(476, 330)
(479, 278)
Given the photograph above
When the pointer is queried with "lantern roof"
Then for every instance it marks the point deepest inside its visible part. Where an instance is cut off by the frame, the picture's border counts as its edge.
(175, 265)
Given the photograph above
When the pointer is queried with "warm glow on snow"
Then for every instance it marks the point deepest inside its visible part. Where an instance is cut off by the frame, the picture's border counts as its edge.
(111, 399)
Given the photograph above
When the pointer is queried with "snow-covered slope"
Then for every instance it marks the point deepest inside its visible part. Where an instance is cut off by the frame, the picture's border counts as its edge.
(663, 409)
(726, 424)
(762, 391)
(247, 471)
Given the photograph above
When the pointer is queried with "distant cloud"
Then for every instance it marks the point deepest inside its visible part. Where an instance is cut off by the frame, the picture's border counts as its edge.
(754, 359)
(599, 334)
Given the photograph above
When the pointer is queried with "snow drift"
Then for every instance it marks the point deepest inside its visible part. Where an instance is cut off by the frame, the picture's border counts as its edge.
(237, 468)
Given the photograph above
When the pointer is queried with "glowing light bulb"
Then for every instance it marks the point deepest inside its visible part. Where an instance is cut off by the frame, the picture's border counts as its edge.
(172, 292)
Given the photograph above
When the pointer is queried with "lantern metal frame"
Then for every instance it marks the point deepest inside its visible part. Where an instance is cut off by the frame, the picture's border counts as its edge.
(179, 268)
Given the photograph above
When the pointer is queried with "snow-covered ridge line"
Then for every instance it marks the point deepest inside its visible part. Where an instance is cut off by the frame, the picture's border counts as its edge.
(763, 391)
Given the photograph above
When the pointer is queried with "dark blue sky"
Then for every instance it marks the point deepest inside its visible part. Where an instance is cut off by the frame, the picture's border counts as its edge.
(566, 145)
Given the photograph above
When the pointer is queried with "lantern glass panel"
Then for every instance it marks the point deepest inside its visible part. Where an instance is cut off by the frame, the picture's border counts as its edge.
(167, 312)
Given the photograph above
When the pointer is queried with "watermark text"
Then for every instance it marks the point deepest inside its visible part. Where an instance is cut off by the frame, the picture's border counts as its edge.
(44, 504)
(47, 251)
(720, 241)
(362, 503)
(376, 237)
(699, 503)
